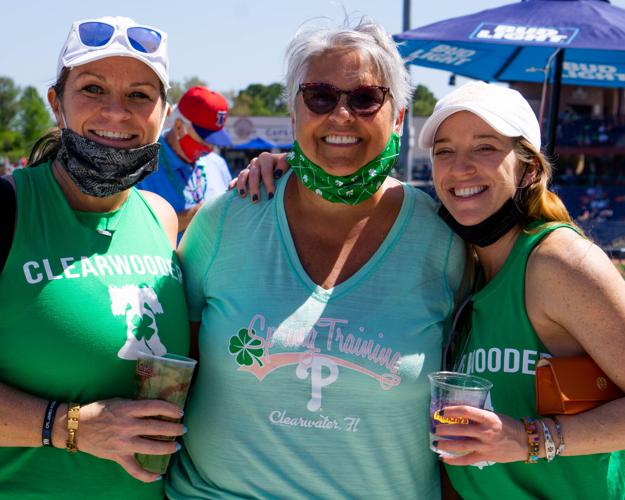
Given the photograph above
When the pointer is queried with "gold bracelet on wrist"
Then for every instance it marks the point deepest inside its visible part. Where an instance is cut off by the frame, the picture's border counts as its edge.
(73, 412)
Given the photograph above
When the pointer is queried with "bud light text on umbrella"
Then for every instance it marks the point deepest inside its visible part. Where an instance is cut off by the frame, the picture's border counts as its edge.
(493, 31)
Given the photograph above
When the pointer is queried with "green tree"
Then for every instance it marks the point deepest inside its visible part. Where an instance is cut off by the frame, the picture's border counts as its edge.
(8, 102)
(11, 144)
(272, 96)
(242, 105)
(178, 89)
(423, 101)
(23, 118)
(33, 118)
(260, 100)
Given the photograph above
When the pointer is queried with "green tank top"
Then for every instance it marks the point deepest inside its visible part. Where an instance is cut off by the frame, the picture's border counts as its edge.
(503, 347)
(81, 293)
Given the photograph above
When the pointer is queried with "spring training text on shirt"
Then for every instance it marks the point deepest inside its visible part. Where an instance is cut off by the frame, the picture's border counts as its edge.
(337, 338)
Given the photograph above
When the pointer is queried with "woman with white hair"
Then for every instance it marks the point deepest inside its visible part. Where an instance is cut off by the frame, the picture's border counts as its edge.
(314, 343)
(542, 290)
(89, 278)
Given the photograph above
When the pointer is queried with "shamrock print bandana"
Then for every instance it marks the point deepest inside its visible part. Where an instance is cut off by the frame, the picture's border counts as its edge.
(349, 189)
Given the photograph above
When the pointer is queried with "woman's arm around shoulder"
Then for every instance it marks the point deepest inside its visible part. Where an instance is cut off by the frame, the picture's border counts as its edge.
(165, 213)
(264, 168)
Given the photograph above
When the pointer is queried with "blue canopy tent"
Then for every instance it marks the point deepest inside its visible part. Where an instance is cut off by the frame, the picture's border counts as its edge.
(575, 42)
(260, 143)
(220, 138)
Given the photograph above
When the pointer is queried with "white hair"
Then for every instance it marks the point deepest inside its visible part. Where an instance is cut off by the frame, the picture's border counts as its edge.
(173, 116)
(368, 38)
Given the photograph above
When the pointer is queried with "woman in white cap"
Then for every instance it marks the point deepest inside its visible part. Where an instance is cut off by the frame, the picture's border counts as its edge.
(542, 290)
(90, 278)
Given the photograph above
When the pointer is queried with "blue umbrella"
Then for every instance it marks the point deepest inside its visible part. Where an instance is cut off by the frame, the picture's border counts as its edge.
(219, 138)
(583, 41)
(256, 143)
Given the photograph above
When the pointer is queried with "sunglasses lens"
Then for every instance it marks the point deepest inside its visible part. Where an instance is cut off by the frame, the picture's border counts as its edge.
(144, 39)
(95, 34)
(320, 99)
(366, 100)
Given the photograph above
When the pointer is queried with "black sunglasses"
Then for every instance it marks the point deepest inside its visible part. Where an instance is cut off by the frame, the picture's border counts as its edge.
(322, 98)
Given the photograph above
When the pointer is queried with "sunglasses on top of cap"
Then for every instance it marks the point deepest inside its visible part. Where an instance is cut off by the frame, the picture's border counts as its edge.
(97, 35)
(322, 98)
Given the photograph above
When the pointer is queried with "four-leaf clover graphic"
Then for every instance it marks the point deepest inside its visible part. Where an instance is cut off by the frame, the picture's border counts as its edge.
(246, 348)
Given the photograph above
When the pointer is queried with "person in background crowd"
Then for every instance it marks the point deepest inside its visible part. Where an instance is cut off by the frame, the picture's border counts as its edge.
(89, 277)
(189, 171)
(542, 289)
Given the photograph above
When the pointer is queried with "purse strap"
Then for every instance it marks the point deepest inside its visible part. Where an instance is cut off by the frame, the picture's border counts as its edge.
(8, 209)
(459, 334)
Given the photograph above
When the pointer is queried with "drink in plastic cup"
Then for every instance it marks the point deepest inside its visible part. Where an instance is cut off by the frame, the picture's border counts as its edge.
(166, 377)
(454, 389)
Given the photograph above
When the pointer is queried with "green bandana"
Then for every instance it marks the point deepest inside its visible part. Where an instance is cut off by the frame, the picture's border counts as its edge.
(349, 189)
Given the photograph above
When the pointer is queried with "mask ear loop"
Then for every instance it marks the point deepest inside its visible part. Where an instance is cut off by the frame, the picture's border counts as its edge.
(62, 116)
(520, 186)
(520, 195)
(465, 306)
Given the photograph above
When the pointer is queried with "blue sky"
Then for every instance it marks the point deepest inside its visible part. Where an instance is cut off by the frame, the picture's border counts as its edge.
(227, 43)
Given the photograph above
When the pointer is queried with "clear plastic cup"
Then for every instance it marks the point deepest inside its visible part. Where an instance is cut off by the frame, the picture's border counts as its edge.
(168, 378)
(454, 389)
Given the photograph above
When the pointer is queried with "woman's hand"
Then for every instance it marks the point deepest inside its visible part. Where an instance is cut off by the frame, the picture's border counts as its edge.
(116, 429)
(265, 167)
(489, 437)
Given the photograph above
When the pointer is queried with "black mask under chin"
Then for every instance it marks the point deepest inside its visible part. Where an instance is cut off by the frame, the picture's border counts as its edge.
(491, 229)
(100, 170)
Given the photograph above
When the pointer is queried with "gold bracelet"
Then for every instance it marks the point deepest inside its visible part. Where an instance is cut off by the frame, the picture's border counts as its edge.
(73, 412)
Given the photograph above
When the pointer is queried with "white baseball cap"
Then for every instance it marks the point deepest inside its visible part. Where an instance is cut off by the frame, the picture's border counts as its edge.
(504, 109)
(94, 39)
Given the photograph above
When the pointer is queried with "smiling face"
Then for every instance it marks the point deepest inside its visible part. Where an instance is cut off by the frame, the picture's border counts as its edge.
(475, 169)
(341, 142)
(115, 101)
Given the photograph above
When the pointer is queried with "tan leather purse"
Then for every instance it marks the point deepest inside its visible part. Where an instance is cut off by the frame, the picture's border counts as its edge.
(567, 386)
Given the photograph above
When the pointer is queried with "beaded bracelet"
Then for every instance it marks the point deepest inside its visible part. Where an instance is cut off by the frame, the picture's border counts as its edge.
(561, 444)
(533, 439)
(550, 446)
(48, 422)
(73, 412)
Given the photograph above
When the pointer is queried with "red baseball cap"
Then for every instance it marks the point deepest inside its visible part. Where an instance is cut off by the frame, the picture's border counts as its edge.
(206, 110)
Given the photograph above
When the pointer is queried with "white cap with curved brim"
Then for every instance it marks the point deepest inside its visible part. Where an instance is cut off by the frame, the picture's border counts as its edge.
(504, 109)
(76, 53)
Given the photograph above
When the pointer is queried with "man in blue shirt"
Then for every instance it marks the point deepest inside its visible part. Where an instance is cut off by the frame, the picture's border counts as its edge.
(189, 171)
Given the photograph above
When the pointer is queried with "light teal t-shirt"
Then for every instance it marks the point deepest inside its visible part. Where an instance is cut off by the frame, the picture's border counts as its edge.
(304, 392)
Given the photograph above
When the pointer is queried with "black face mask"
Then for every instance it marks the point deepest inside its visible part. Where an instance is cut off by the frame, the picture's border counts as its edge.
(491, 229)
(102, 171)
